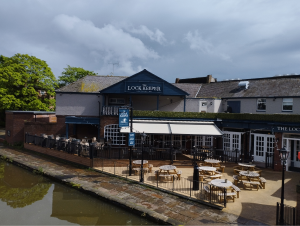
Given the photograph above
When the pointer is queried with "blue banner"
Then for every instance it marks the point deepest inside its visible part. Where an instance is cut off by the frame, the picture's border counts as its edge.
(123, 117)
(131, 139)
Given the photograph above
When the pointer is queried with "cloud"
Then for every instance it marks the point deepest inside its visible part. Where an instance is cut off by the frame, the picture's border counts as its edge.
(156, 35)
(198, 44)
(109, 42)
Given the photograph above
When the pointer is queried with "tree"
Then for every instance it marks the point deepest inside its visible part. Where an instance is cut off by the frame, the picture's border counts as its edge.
(21, 78)
(72, 74)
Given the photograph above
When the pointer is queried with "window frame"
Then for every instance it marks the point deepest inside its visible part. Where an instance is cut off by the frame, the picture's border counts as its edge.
(117, 101)
(283, 104)
(259, 101)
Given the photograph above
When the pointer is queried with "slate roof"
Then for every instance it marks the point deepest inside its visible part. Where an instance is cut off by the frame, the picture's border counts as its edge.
(263, 87)
(91, 84)
(190, 88)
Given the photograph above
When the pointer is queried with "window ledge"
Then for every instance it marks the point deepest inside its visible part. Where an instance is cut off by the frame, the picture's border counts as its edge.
(260, 110)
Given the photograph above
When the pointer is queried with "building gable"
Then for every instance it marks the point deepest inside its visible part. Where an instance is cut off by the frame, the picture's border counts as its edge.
(144, 83)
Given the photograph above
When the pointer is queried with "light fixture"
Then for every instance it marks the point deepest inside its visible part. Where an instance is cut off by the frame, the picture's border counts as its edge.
(283, 155)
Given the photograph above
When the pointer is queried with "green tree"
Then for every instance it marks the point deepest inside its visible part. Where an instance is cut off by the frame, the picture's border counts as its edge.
(72, 74)
(21, 77)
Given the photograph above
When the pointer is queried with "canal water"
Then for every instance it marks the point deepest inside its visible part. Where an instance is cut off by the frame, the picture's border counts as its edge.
(31, 199)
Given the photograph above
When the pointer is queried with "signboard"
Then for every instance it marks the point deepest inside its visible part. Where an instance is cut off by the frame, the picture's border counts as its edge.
(123, 117)
(144, 87)
(131, 139)
(286, 129)
(52, 119)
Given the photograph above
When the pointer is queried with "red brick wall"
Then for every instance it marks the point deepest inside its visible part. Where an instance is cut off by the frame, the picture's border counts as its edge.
(15, 124)
(58, 128)
(59, 154)
(107, 120)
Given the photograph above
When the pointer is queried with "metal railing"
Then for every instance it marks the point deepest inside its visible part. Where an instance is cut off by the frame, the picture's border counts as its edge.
(289, 214)
(184, 187)
(110, 110)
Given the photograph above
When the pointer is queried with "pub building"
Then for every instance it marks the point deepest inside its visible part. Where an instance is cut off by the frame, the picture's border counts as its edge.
(90, 106)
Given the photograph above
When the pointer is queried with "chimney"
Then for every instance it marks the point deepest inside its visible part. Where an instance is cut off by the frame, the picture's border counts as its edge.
(177, 80)
(209, 79)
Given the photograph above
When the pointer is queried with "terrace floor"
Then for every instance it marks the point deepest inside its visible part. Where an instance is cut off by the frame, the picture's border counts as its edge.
(252, 204)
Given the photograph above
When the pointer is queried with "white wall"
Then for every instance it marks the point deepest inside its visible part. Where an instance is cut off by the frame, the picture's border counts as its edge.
(77, 104)
(272, 106)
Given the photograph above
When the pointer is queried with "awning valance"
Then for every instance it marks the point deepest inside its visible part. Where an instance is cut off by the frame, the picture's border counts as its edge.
(174, 127)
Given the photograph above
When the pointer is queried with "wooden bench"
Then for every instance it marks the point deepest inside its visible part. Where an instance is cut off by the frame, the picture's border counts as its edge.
(201, 177)
(166, 176)
(222, 169)
(235, 179)
(217, 176)
(207, 191)
(237, 190)
(179, 172)
(229, 195)
(150, 166)
(263, 182)
(251, 184)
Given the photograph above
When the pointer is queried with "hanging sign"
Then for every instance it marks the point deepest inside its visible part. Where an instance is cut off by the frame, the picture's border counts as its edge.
(131, 139)
(123, 117)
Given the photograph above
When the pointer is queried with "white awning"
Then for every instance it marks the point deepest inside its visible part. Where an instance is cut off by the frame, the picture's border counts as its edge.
(174, 127)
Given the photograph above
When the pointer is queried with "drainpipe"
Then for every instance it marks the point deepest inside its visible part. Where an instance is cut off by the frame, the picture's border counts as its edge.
(99, 121)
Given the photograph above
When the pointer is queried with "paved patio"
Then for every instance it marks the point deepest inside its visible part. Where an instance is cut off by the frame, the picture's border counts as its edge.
(252, 204)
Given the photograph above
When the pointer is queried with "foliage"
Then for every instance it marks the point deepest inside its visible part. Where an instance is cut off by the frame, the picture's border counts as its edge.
(21, 76)
(233, 116)
(20, 197)
(72, 74)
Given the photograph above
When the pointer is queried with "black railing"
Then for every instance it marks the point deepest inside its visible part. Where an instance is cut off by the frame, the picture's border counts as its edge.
(269, 160)
(183, 186)
(201, 154)
(110, 110)
(289, 214)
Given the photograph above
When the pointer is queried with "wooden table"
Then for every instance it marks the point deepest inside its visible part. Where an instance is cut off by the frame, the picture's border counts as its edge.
(221, 183)
(249, 174)
(168, 170)
(212, 162)
(207, 169)
(139, 162)
(246, 166)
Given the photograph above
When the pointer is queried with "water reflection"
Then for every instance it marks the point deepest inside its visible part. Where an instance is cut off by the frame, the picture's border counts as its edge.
(29, 199)
(18, 188)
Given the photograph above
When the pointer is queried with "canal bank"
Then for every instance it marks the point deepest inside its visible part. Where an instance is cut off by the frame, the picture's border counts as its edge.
(150, 203)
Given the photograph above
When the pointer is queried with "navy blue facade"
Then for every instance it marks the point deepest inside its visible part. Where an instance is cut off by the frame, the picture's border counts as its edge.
(144, 83)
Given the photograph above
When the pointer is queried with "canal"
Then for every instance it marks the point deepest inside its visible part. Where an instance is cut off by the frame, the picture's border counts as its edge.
(31, 199)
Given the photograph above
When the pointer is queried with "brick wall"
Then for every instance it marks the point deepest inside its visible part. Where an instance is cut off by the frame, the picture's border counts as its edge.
(107, 120)
(59, 154)
(15, 124)
(58, 128)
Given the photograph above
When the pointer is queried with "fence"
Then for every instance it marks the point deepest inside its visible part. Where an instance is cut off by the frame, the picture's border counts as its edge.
(289, 215)
(185, 187)
(269, 160)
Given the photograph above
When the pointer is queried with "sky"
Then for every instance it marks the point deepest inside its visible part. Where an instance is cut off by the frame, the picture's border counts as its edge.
(228, 39)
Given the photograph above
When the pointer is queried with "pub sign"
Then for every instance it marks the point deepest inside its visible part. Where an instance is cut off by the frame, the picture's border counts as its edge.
(131, 139)
(123, 117)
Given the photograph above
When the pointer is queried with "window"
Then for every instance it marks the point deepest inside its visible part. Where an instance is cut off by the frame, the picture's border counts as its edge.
(112, 132)
(261, 104)
(201, 141)
(287, 104)
(232, 140)
(43, 92)
(116, 100)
